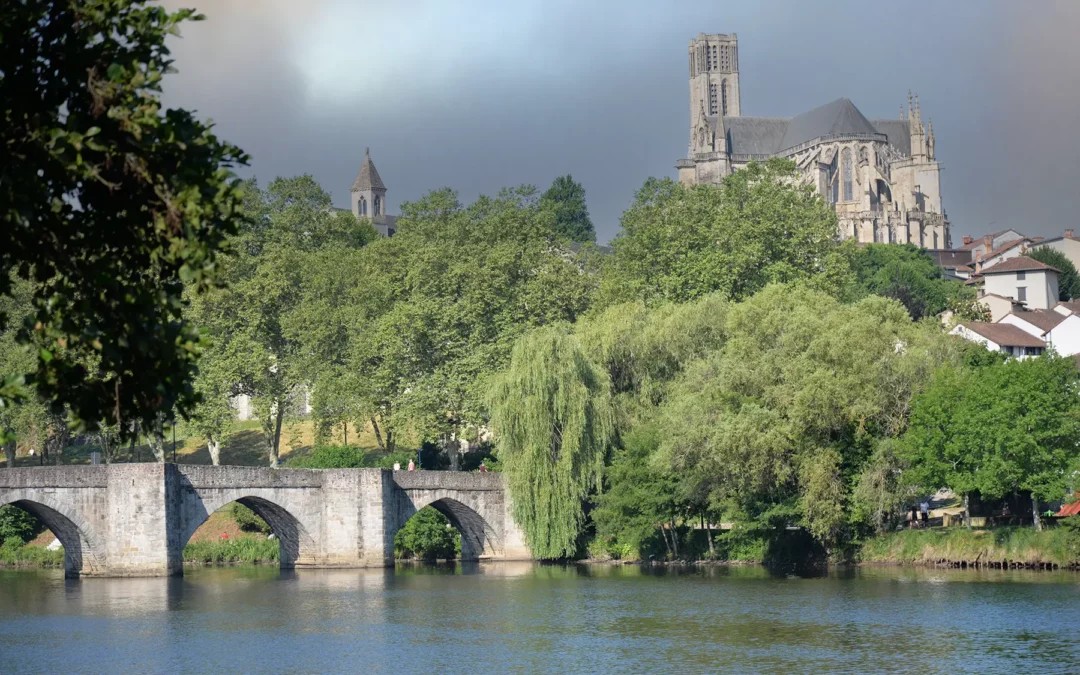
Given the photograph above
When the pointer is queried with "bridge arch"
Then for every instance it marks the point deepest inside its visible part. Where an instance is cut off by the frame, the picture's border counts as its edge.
(479, 539)
(297, 546)
(84, 553)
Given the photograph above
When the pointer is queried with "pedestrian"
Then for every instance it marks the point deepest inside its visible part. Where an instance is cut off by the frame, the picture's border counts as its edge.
(397, 466)
(483, 467)
(924, 510)
(914, 517)
(412, 465)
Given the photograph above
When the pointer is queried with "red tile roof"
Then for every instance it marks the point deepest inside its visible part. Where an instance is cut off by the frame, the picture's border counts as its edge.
(1069, 510)
(1004, 334)
(1020, 263)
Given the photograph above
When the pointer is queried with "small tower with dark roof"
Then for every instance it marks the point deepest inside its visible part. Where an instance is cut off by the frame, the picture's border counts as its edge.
(368, 192)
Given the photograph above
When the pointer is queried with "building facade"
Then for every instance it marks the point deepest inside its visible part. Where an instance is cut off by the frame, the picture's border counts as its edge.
(881, 176)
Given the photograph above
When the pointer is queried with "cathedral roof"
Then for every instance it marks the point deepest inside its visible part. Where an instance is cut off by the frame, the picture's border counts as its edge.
(367, 178)
(773, 135)
(839, 117)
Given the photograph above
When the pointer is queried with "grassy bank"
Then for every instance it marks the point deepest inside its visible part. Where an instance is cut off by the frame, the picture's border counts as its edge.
(248, 550)
(957, 545)
(12, 555)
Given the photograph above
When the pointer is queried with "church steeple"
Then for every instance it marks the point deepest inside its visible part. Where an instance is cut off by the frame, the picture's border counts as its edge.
(915, 129)
(368, 191)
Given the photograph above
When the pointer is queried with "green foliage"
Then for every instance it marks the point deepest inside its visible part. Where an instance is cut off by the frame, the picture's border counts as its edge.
(16, 523)
(251, 550)
(247, 520)
(761, 226)
(551, 411)
(428, 535)
(13, 553)
(1057, 545)
(997, 428)
(567, 199)
(781, 421)
(637, 497)
(1068, 280)
(331, 457)
(110, 205)
(908, 274)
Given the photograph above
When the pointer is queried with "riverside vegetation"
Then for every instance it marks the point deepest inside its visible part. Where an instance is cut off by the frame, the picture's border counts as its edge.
(729, 361)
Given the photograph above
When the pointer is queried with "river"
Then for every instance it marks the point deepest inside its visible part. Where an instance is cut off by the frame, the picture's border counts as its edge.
(521, 618)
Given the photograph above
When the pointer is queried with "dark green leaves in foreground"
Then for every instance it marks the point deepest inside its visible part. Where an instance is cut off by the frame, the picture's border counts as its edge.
(108, 203)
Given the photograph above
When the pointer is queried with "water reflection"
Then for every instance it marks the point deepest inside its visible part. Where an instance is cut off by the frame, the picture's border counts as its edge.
(521, 617)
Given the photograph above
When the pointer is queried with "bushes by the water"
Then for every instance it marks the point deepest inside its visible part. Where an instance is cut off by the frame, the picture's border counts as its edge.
(14, 522)
(247, 520)
(429, 536)
(14, 553)
(246, 550)
(1058, 545)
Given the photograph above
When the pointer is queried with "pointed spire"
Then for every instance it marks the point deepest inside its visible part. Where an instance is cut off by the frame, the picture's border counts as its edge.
(367, 178)
(901, 111)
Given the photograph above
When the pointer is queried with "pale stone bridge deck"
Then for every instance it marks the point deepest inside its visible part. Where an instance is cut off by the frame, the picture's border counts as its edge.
(134, 519)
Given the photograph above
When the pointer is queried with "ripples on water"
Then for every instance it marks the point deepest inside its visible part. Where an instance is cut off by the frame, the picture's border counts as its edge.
(522, 618)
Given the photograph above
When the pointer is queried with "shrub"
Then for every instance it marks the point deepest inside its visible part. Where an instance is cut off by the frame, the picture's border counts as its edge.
(428, 535)
(248, 550)
(14, 522)
(248, 520)
(331, 457)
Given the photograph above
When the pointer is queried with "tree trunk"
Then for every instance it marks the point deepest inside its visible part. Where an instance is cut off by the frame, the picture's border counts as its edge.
(967, 511)
(378, 434)
(663, 533)
(452, 451)
(389, 440)
(708, 534)
(157, 440)
(275, 438)
(345, 432)
(1035, 513)
(214, 447)
(674, 538)
(9, 450)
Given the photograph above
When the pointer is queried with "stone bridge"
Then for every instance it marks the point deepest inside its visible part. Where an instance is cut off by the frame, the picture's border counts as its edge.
(134, 519)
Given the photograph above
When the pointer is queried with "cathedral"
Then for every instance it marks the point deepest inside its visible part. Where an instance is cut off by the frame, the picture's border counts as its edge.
(881, 176)
(368, 196)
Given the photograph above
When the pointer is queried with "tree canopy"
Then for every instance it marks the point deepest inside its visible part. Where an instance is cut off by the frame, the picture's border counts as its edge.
(1068, 280)
(762, 225)
(909, 275)
(109, 204)
(566, 198)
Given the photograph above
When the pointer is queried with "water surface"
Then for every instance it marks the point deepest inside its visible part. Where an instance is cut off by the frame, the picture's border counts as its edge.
(521, 618)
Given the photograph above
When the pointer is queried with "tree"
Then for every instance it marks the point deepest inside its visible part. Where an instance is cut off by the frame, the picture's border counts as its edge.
(1069, 280)
(213, 415)
(998, 428)
(434, 311)
(908, 274)
(784, 416)
(567, 199)
(108, 204)
(763, 225)
(428, 536)
(551, 413)
(259, 326)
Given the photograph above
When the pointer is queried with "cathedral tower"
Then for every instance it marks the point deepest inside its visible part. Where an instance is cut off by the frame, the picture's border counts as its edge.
(714, 75)
(368, 192)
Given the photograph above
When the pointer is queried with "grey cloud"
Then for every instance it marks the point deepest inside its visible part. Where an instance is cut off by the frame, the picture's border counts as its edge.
(484, 94)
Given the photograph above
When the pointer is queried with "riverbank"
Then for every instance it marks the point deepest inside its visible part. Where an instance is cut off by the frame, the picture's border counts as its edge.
(1002, 547)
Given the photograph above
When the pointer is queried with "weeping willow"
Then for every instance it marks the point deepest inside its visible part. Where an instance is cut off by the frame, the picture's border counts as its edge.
(551, 412)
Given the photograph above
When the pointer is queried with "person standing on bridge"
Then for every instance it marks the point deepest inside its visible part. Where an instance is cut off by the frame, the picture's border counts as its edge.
(412, 465)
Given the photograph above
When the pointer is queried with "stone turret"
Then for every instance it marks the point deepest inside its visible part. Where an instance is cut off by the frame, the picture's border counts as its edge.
(915, 126)
(368, 192)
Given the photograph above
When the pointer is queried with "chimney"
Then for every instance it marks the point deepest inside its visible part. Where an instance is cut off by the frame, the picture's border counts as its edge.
(978, 262)
(967, 240)
(1068, 234)
(988, 242)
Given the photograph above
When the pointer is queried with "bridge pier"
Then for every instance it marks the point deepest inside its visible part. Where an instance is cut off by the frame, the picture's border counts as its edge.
(135, 519)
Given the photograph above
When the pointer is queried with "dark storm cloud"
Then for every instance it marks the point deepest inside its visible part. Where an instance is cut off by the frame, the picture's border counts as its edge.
(479, 95)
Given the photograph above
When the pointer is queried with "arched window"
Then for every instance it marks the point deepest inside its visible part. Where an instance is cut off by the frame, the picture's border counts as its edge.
(361, 206)
(378, 206)
(849, 193)
(712, 99)
(723, 96)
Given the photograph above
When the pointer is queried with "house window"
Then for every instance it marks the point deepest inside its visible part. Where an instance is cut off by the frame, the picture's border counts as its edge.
(1020, 276)
(1021, 293)
(712, 99)
(723, 95)
(849, 192)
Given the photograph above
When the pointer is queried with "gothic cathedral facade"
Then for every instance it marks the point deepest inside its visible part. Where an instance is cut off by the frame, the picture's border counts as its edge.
(881, 176)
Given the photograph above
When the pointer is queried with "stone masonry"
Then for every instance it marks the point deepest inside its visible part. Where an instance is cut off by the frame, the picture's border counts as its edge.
(134, 519)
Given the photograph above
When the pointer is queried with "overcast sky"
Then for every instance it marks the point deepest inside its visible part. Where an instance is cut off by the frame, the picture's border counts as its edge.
(481, 94)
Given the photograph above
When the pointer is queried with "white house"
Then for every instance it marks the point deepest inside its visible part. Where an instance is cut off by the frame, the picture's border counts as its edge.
(1024, 280)
(1000, 306)
(1067, 308)
(1068, 245)
(1057, 330)
(1002, 337)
